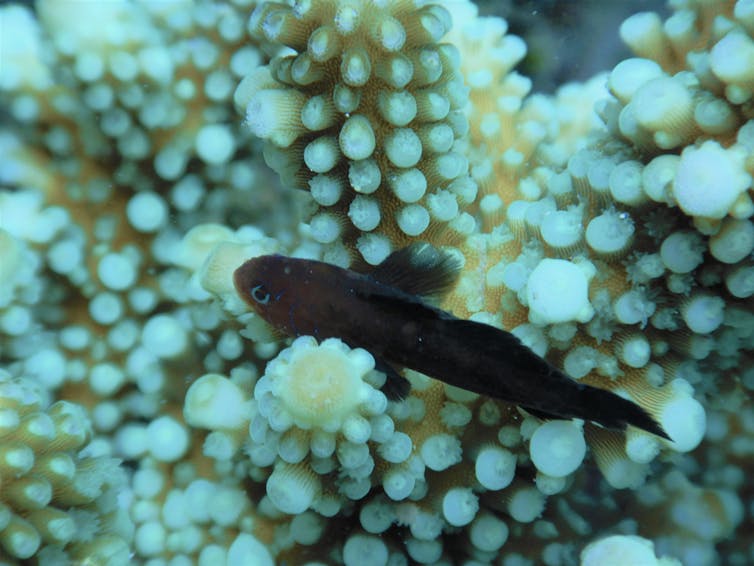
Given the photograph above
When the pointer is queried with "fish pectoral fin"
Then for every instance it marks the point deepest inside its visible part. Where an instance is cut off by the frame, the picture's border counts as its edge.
(262, 333)
(276, 334)
(419, 269)
(396, 386)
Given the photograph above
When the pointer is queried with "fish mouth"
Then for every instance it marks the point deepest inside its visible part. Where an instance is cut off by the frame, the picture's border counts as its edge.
(243, 277)
(237, 278)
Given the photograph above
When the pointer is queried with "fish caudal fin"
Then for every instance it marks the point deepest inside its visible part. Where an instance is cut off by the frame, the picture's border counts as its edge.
(613, 411)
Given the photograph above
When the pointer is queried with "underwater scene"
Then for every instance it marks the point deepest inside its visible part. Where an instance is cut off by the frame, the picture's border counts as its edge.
(376, 282)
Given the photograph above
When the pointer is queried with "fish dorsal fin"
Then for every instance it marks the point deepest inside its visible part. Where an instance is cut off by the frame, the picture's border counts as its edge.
(419, 269)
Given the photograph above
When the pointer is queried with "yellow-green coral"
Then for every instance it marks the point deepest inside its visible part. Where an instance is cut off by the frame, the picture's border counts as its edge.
(364, 115)
(132, 188)
(57, 503)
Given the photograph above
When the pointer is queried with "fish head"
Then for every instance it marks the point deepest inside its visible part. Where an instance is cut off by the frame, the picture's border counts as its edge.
(269, 284)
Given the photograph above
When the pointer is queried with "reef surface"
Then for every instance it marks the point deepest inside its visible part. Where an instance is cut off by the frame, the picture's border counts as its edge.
(148, 416)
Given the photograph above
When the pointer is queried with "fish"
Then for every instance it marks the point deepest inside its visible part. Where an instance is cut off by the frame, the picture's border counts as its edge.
(391, 312)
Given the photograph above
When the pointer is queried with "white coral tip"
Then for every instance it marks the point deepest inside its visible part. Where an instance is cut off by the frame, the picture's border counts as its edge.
(214, 402)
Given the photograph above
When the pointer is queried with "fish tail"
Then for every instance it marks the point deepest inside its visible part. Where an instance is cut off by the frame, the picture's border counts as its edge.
(613, 411)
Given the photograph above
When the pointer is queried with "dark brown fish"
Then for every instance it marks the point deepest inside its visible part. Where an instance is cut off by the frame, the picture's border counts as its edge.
(387, 313)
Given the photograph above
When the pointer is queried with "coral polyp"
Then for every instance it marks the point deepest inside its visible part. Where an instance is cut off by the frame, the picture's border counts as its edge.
(365, 116)
(317, 386)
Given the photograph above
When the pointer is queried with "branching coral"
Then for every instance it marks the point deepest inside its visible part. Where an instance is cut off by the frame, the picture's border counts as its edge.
(58, 505)
(364, 115)
(133, 185)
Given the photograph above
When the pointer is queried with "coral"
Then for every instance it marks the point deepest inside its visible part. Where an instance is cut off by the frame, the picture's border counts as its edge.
(365, 115)
(58, 503)
(184, 514)
(620, 549)
(616, 243)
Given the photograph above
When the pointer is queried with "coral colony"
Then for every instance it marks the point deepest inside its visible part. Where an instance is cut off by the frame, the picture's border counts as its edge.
(148, 416)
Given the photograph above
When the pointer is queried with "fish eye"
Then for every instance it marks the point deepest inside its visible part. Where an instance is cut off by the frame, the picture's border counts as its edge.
(260, 294)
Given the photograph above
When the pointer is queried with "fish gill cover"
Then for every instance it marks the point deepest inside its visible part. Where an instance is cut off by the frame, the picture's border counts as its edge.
(147, 416)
